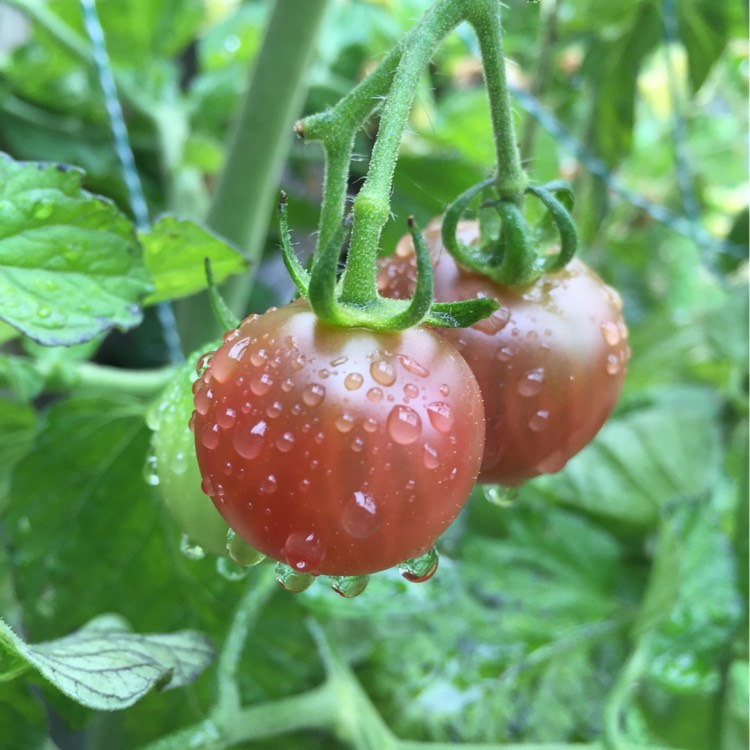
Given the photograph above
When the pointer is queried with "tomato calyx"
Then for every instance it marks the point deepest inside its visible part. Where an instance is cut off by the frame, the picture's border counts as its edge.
(507, 253)
(320, 287)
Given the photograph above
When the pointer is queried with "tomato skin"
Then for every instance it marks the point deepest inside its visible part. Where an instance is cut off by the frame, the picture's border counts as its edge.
(550, 362)
(177, 468)
(337, 451)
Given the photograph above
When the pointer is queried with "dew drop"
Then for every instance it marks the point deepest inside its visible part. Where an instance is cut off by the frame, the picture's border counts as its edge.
(227, 418)
(207, 487)
(622, 329)
(370, 425)
(303, 551)
(411, 390)
(261, 385)
(613, 364)
(230, 570)
(501, 496)
(150, 470)
(410, 364)
(248, 443)
(210, 436)
(353, 381)
(258, 357)
(358, 445)
(292, 580)
(552, 463)
(430, 457)
(274, 410)
(344, 422)
(338, 361)
(287, 385)
(539, 421)
(269, 485)
(360, 518)
(383, 372)
(441, 416)
(404, 425)
(241, 552)
(349, 586)
(611, 332)
(445, 390)
(298, 361)
(190, 549)
(495, 322)
(324, 373)
(304, 485)
(285, 442)
(375, 395)
(313, 394)
(203, 400)
(504, 354)
(613, 297)
(203, 362)
(420, 569)
(531, 383)
(410, 485)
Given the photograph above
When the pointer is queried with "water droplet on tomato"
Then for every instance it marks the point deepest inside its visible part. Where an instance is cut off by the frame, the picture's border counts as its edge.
(324, 373)
(303, 551)
(269, 485)
(274, 410)
(207, 487)
(441, 416)
(445, 390)
(285, 442)
(420, 569)
(203, 400)
(292, 580)
(370, 425)
(531, 382)
(504, 354)
(298, 361)
(430, 457)
(360, 517)
(230, 570)
(410, 485)
(203, 362)
(611, 332)
(410, 364)
(404, 425)
(338, 361)
(622, 329)
(248, 443)
(261, 385)
(552, 463)
(349, 586)
(495, 322)
(383, 372)
(304, 485)
(411, 390)
(313, 394)
(210, 436)
(227, 418)
(344, 422)
(613, 364)
(539, 421)
(241, 552)
(358, 444)
(258, 357)
(192, 550)
(353, 381)
(613, 297)
(287, 385)
(375, 395)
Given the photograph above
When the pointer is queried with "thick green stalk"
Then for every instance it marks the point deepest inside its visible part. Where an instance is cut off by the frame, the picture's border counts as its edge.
(511, 180)
(372, 204)
(258, 147)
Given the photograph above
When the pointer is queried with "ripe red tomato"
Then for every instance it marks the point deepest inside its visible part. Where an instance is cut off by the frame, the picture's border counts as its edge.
(550, 361)
(337, 451)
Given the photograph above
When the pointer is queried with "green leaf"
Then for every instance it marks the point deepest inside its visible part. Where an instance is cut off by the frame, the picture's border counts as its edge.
(21, 377)
(17, 430)
(23, 718)
(175, 252)
(103, 666)
(71, 265)
(643, 459)
(704, 30)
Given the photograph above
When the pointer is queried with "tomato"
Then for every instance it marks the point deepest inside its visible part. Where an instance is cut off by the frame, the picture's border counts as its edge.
(176, 468)
(550, 361)
(338, 451)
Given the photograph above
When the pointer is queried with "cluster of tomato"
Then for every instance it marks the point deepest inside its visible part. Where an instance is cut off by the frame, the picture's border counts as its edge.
(345, 451)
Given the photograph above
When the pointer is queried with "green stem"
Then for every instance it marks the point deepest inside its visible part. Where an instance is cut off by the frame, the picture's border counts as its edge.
(484, 16)
(372, 204)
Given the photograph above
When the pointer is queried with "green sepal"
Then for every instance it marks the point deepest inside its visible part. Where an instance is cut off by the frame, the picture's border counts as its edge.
(322, 286)
(461, 314)
(225, 317)
(298, 273)
(560, 214)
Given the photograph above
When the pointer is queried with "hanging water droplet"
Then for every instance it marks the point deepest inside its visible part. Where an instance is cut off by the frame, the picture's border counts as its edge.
(313, 394)
(241, 552)
(611, 333)
(230, 570)
(249, 443)
(203, 399)
(531, 382)
(420, 569)
(430, 457)
(227, 418)
(613, 364)
(210, 436)
(285, 442)
(360, 518)
(404, 425)
(383, 372)
(349, 586)
(261, 385)
(258, 357)
(292, 580)
(192, 550)
(501, 496)
(344, 422)
(150, 473)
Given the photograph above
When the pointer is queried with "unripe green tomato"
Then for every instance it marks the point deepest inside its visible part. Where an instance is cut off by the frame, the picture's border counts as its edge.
(176, 467)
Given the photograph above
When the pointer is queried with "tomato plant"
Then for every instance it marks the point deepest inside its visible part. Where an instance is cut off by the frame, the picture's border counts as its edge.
(550, 362)
(175, 468)
(337, 451)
